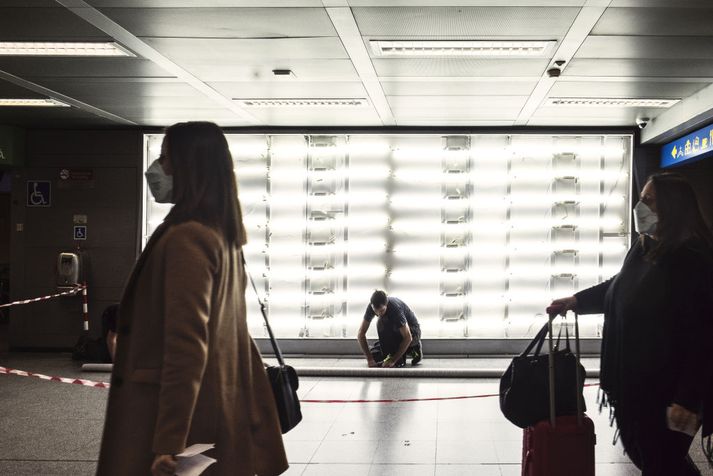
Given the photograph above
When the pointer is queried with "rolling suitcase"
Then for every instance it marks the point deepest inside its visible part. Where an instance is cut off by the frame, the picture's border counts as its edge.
(560, 446)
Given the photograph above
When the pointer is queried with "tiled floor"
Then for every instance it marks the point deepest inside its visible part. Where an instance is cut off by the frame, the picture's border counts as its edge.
(52, 428)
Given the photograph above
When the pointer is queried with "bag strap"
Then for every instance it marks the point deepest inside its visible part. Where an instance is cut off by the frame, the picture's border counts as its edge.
(551, 369)
(538, 340)
(275, 347)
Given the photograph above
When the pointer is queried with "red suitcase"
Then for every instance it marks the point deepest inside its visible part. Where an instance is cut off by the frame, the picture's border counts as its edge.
(562, 446)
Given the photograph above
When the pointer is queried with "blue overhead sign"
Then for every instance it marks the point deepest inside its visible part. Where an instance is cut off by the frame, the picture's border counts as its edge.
(694, 146)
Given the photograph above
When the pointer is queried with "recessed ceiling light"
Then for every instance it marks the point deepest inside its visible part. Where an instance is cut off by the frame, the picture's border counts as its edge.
(610, 102)
(32, 103)
(309, 102)
(461, 48)
(42, 48)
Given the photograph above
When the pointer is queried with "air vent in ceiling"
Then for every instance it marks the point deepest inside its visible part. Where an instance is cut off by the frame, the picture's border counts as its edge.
(610, 102)
(462, 48)
(309, 102)
(31, 103)
(45, 48)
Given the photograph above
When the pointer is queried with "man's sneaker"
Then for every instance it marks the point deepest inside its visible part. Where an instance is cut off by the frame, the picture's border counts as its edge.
(417, 353)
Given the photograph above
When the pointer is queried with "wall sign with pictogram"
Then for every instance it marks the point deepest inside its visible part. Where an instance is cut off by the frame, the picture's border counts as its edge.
(39, 193)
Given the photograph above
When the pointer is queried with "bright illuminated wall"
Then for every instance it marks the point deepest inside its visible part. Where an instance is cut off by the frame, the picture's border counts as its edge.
(475, 233)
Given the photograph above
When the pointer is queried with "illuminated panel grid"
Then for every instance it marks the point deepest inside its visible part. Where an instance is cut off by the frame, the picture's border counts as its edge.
(476, 233)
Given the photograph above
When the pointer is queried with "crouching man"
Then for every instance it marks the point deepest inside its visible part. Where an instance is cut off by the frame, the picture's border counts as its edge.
(398, 330)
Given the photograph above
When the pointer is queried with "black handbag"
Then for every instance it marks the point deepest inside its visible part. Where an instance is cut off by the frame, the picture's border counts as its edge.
(525, 388)
(283, 378)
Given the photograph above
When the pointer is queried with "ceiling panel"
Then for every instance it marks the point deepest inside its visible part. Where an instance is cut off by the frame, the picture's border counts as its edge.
(580, 121)
(17, 24)
(318, 117)
(629, 67)
(51, 117)
(458, 88)
(596, 114)
(168, 117)
(625, 89)
(124, 106)
(253, 50)
(439, 115)
(117, 89)
(465, 21)
(656, 22)
(234, 44)
(202, 3)
(338, 70)
(455, 103)
(456, 123)
(31, 3)
(80, 67)
(223, 22)
(290, 89)
(467, 3)
(651, 47)
(661, 3)
(437, 67)
(11, 91)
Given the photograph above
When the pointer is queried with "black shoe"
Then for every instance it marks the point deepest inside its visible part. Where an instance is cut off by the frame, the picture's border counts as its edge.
(417, 354)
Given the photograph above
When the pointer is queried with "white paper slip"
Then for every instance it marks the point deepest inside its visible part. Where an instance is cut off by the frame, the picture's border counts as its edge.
(196, 449)
(193, 465)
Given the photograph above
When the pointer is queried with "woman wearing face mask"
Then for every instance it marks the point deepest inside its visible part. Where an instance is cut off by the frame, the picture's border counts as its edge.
(656, 366)
(186, 369)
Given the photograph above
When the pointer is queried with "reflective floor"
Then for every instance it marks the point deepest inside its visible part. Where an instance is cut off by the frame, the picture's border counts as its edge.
(52, 428)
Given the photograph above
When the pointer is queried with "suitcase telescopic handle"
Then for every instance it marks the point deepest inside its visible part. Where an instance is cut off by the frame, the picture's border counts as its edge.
(580, 412)
(551, 370)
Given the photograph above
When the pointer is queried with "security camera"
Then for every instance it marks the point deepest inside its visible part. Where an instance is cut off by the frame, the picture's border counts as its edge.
(642, 122)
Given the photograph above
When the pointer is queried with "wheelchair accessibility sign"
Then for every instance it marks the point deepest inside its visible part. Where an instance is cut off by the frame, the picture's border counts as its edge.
(80, 232)
(39, 193)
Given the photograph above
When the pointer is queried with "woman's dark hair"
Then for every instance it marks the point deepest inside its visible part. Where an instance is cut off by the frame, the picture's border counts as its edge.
(204, 185)
(679, 214)
(378, 299)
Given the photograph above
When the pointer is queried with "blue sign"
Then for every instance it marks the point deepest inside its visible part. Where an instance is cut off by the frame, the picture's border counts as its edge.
(80, 232)
(39, 193)
(694, 146)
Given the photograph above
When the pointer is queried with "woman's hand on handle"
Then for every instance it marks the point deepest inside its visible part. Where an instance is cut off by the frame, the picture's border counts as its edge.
(561, 306)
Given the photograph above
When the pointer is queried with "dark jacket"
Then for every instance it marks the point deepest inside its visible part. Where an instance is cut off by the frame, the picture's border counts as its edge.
(658, 326)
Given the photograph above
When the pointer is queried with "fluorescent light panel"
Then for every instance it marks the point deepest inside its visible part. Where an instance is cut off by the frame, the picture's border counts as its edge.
(305, 102)
(31, 103)
(609, 102)
(462, 48)
(38, 48)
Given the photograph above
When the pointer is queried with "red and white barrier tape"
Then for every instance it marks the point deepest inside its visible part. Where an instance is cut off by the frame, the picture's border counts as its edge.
(91, 383)
(85, 307)
(71, 292)
(76, 381)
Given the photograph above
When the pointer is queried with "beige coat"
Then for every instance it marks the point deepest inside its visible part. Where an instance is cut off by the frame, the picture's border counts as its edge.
(186, 369)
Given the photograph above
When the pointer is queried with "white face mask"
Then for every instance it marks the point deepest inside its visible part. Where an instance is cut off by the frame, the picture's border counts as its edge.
(645, 219)
(160, 184)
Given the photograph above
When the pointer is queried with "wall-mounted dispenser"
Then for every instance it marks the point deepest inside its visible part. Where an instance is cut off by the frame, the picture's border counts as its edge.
(67, 270)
